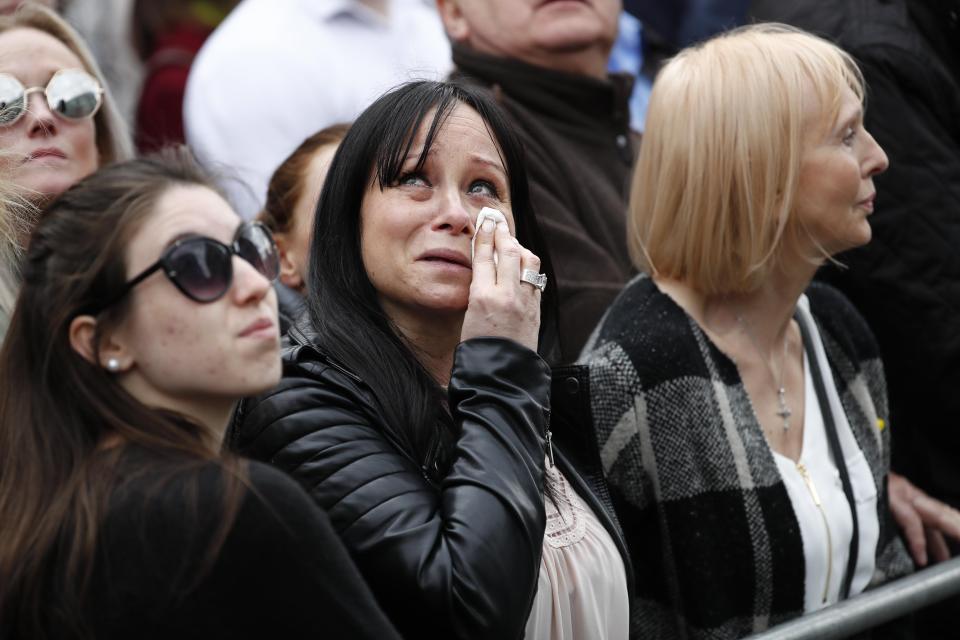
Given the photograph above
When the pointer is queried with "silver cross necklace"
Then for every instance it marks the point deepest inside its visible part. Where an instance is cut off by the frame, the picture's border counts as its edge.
(783, 411)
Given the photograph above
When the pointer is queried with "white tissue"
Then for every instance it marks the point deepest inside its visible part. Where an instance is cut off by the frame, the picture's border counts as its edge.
(485, 214)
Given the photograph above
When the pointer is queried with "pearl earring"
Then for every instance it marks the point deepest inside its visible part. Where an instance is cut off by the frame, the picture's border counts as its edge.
(113, 364)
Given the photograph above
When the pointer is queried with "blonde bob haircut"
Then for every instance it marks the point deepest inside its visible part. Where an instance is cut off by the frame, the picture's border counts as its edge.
(717, 175)
(113, 136)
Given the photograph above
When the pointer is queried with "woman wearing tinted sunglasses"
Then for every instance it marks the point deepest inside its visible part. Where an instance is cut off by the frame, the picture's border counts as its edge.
(146, 311)
(58, 121)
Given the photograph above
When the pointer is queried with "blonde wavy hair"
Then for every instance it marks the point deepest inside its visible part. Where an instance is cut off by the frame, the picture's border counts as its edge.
(716, 180)
(17, 217)
(113, 136)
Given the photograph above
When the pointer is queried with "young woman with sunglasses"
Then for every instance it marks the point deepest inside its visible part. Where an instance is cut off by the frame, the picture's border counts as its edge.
(58, 120)
(414, 404)
(146, 311)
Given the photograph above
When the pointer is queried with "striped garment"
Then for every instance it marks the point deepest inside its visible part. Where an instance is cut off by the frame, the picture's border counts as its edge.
(714, 540)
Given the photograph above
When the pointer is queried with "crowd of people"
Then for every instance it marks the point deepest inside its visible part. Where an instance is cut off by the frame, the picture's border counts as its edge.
(379, 320)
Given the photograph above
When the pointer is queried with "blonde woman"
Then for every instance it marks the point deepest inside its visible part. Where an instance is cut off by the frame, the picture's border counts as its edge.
(58, 124)
(742, 410)
(58, 119)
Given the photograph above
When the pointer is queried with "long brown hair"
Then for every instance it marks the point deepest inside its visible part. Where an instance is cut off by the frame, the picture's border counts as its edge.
(57, 410)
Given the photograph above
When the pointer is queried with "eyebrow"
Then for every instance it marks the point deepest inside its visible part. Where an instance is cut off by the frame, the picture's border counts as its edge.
(414, 155)
(183, 235)
(855, 115)
(186, 235)
(489, 163)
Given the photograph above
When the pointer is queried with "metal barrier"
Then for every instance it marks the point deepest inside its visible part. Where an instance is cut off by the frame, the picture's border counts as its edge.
(873, 607)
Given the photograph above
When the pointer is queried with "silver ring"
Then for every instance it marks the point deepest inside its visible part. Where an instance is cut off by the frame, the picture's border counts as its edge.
(530, 276)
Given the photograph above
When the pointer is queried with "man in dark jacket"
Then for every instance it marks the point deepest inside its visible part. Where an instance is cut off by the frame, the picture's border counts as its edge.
(546, 64)
(906, 282)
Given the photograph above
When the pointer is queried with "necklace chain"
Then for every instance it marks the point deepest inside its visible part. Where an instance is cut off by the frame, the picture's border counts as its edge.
(783, 411)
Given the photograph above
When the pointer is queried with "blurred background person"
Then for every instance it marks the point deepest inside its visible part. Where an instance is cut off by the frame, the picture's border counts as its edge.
(627, 57)
(9, 6)
(670, 26)
(742, 411)
(105, 26)
(58, 120)
(546, 64)
(652, 31)
(145, 313)
(167, 36)
(414, 404)
(58, 123)
(291, 203)
(275, 72)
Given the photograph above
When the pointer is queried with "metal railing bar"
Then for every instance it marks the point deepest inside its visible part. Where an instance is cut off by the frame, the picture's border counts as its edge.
(874, 607)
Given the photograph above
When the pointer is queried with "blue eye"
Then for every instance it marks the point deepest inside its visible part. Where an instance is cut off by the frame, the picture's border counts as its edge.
(412, 179)
(483, 188)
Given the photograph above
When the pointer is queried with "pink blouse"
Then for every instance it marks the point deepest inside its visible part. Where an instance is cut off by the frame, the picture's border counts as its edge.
(582, 591)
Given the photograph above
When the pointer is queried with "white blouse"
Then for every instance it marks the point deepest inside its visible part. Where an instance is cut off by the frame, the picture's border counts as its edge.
(826, 528)
(582, 590)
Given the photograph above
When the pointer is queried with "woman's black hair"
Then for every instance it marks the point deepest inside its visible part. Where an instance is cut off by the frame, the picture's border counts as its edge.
(351, 326)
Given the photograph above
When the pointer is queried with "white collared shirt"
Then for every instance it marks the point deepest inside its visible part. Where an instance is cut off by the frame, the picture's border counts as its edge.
(277, 71)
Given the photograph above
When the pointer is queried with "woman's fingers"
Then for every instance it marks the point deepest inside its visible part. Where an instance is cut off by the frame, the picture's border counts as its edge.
(500, 303)
(509, 253)
(900, 493)
(530, 260)
(484, 268)
(937, 546)
(940, 521)
(912, 528)
(925, 521)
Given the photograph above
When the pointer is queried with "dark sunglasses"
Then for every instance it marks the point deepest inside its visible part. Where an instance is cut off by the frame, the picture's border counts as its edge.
(72, 94)
(202, 268)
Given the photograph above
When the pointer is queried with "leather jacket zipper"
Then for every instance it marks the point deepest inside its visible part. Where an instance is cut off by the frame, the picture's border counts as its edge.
(807, 480)
(548, 437)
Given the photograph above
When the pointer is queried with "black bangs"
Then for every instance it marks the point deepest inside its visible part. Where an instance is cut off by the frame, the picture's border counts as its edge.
(411, 106)
(410, 110)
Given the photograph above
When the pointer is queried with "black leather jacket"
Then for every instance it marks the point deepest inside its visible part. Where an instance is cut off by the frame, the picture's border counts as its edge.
(454, 558)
